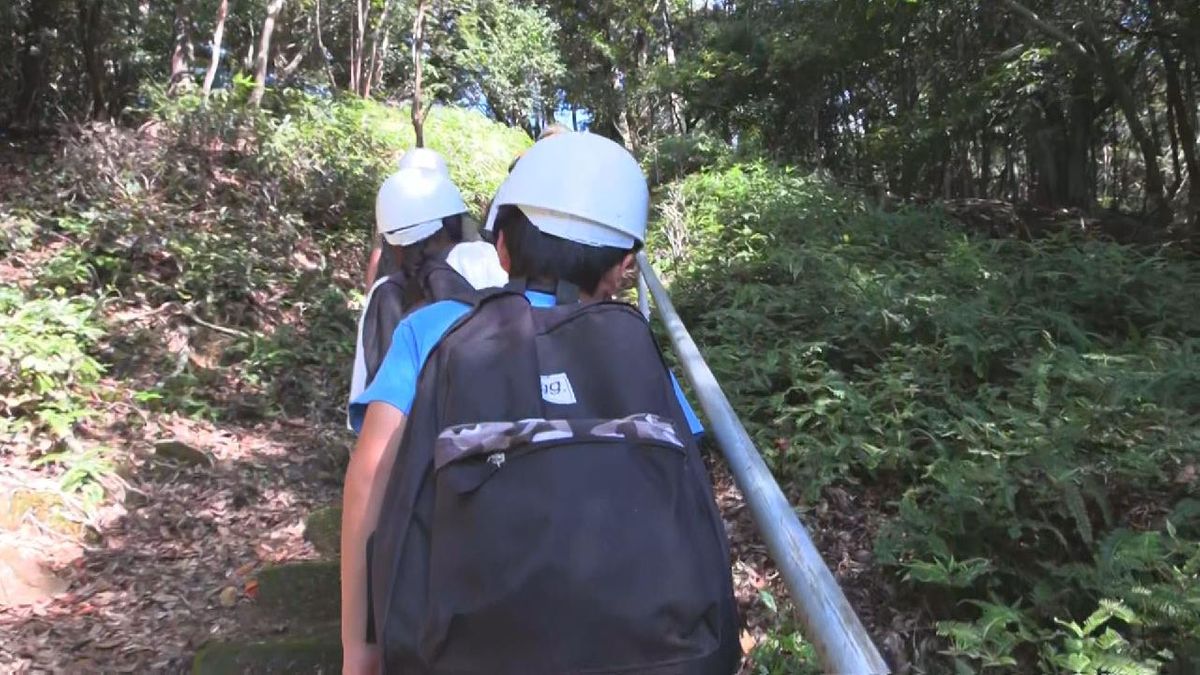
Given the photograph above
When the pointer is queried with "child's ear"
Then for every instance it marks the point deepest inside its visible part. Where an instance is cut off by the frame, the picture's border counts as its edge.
(612, 281)
(502, 253)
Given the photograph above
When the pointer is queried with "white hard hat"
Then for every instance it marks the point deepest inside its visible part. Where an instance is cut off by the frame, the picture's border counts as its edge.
(424, 158)
(411, 203)
(581, 187)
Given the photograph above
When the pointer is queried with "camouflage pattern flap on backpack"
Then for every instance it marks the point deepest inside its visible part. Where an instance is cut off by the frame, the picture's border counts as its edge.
(485, 438)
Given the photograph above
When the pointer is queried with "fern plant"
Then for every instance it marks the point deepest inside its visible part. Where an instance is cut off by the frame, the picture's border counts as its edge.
(1087, 650)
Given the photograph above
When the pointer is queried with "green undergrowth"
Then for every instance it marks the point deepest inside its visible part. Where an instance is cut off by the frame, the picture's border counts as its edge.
(45, 367)
(207, 263)
(1030, 411)
(325, 157)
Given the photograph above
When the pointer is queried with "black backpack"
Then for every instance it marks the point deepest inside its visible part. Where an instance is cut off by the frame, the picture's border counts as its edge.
(390, 302)
(548, 510)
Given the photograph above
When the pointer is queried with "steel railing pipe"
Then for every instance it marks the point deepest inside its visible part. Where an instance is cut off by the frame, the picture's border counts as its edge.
(828, 620)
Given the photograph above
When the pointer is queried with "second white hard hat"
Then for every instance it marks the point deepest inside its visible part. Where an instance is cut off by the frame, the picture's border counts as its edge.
(424, 158)
(580, 187)
(411, 203)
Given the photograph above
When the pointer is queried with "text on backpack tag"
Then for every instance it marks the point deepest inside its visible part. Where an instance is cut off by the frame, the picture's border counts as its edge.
(557, 389)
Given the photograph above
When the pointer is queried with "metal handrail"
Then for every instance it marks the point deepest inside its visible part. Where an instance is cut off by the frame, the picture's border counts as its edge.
(829, 621)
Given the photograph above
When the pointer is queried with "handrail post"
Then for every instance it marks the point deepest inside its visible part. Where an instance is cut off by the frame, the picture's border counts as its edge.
(643, 296)
(829, 621)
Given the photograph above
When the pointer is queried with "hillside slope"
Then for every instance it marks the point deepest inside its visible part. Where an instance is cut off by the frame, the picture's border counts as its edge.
(996, 440)
(176, 327)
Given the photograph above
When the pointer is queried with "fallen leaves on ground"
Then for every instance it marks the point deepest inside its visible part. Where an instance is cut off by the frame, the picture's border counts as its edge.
(156, 583)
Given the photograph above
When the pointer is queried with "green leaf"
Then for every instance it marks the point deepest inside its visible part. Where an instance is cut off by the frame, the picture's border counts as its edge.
(768, 600)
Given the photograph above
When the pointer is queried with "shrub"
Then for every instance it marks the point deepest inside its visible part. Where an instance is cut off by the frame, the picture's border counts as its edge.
(253, 220)
(673, 157)
(325, 157)
(1021, 403)
(46, 371)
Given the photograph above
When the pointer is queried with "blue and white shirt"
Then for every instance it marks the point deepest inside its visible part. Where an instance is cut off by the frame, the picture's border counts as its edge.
(476, 261)
(396, 382)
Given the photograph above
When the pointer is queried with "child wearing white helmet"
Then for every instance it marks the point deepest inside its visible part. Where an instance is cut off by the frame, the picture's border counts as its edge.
(383, 260)
(567, 223)
(419, 216)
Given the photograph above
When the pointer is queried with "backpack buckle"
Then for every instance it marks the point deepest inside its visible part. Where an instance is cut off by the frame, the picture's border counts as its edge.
(496, 459)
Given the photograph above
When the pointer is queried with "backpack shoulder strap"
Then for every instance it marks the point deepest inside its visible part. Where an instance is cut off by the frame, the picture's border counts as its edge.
(440, 281)
(384, 310)
(564, 292)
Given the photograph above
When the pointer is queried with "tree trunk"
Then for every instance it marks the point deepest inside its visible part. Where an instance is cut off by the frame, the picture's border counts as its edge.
(618, 113)
(1156, 197)
(124, 75)
(357, 43)
(1172, 135)
(1191, 100)
(1179, 121)
(301, 50)
(248, 63)
(379, 42)
(91, 38)
(498, 112)
(35, 54)
(984, 186)
(181, 54)
(289, 68)
(673, 98)
(1081, 117)
(321, 46)
(262, 62)
(1102, 58)
(377, 71)
(418, 38)
(218, 36)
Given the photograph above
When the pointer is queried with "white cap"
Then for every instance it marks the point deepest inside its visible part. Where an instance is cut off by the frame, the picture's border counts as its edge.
(424, 158)
(581, 187)
(411, 203)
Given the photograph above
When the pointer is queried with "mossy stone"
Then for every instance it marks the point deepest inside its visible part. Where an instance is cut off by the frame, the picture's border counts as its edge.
(323, 530)
(44, 506)
(306, 590)
(313, 655)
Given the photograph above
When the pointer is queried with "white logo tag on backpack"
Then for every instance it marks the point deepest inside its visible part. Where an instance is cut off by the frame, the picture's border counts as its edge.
(557, 389)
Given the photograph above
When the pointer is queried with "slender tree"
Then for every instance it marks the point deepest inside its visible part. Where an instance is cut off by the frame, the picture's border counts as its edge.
(215, 46)
(379, 45)
(418, 36)
(182, 52)
(1100, 57)
(362, 9)
(262, 60)
(325, 61)
(91, 27)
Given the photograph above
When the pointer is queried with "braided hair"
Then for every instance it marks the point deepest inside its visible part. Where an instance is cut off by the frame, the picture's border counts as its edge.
(414, 257)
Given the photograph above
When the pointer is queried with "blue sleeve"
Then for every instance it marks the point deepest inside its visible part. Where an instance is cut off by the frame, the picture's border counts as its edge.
(693, 421)
(396, 381)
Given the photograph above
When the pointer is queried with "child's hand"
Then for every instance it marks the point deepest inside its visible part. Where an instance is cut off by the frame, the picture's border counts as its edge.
(360, 659)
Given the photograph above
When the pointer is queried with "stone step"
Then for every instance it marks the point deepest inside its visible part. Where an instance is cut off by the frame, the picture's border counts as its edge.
(311, 590)
(323, 529)
(287, 655)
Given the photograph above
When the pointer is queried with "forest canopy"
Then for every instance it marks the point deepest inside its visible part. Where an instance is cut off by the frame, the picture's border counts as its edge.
(1083, 106)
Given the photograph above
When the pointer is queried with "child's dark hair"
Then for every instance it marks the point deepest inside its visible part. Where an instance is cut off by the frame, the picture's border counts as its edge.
(414, 256)
(537, 256)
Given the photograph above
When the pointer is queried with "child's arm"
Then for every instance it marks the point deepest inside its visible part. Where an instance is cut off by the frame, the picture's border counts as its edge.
(373, 264)
(366, 480)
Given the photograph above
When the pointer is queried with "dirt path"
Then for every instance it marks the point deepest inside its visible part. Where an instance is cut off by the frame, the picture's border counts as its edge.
(174, 567)
(168, 570)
